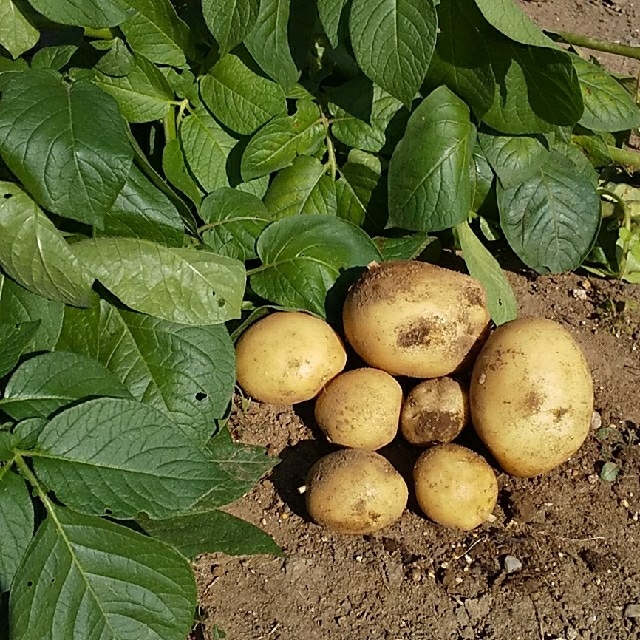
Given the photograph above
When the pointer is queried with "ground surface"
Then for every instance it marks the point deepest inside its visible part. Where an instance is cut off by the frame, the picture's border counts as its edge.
(573, 538)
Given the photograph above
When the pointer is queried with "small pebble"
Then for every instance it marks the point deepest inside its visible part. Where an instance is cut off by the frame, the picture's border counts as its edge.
(596, 420)
(512, 564)
(632, 611)
(579, 294)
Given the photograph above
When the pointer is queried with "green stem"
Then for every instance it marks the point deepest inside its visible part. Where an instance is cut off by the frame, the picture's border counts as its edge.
(99, 34)
(626, 157)
(33, 481)
(169, 126)
(588, 42)
(331, 150)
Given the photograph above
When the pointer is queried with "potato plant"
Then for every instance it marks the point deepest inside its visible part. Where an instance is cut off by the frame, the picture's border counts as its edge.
(168, 169)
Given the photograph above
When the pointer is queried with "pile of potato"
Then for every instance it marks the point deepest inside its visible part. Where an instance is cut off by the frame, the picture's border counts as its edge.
(530, 396)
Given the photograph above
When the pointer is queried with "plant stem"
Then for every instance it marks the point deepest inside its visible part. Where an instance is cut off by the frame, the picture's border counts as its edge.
(331, 150)
(100, 34)
(169, 125)
(588, 42)
(33, 481)
(626, 157)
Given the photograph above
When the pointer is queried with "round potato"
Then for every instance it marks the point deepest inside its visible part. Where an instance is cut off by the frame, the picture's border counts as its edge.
(360, 408)
(436, 410)
(531, 396)
(355, 491)
(415, 319)
(288, 357)
(455, 486)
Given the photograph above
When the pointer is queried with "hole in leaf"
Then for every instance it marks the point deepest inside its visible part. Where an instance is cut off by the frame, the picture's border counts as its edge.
(30, 583)
(200, 396)
(7, 196)
(221, 302)
(107, 512)
(53, 580)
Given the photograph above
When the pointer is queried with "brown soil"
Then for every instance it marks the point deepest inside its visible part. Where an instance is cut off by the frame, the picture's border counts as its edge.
(562, 560)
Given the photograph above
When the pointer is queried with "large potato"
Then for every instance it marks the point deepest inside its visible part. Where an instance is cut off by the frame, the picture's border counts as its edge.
(355, 491)
(288, 357)
(360, 408)
(415, 319)
(531, 396)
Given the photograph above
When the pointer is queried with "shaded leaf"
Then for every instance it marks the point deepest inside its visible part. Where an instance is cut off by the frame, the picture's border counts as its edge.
(14, 341)
(54, 57)
(175, 169)
(26, 432)
(330, 12)
(407, 247)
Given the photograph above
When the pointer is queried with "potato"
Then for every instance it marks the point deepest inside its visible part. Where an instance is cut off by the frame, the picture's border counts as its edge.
(531, 396)
(360, 408)
(288, 357)
(455, 486)
(415, 319)
(355, 491)
(435, 411)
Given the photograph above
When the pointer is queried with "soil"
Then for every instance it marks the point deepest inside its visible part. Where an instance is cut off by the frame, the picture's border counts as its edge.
(562, 559)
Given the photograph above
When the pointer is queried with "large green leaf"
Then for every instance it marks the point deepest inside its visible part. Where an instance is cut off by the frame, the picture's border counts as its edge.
(393, 41)
(186, 372)
(88, 13)
(241, 99)
(230, 21)
(330, 12)
(155, 31)
(55, 57)
(275, 145)
(304, 187)
(16, 524)
(86, 577)
(551, 219)
(233, 221)
(10, 68)
(174, 165)
(211, 532)
(429, 184)
(17, 34)
(607, 105)
(35, 254)
(49, 381)
(303, 256)
(123, 458)
(179, 285)
(501, 300)
(268, 42)
(19, 305)
(206, 146)
(67, 143)
(15, 339)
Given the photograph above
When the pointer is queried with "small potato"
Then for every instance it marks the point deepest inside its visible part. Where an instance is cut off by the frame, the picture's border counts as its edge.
(288, 357)
(455, 487)
(531, 396)
(360, 408)
(355, 491)
(435, 411)
(414, 319)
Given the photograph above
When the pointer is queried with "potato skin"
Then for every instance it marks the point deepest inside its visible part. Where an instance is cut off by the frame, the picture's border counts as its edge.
(415, 319)
(288, 357)
(455, 486)
(435, 410)
(531, 396)
(360, 408)
(355, 491)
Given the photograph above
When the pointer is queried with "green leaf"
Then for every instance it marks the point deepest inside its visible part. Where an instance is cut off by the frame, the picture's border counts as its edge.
(257, 187)
(26, 432)
(609, 472)
(233, 221)
(607, 105)
(18, 305)
(211, 532)
(362, 112)
(7, 447)
(508, 18)
(123, 458)
(34, 252)
(117, 61)
(175, 169)
(186, 372)
(155, 31)
(47, 382)
(275, 145)
(429, 185)
(407, 247)
(67, 143)
(143, 211)
(241, 99)
(206, 147)
(84, 574)
(17, 34)
(304, 187)
(230, 21)
(16, 524)
(361, 196)
(53, 57)
(482, 266)
(330, 12)
(551, 219)
(268, 42)
(302, 257)
(180, 285)
(88, 13)
(481, 178)
(10, 68)
(14, 341)
(393, 41)
(143, 94)
(513, 158)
